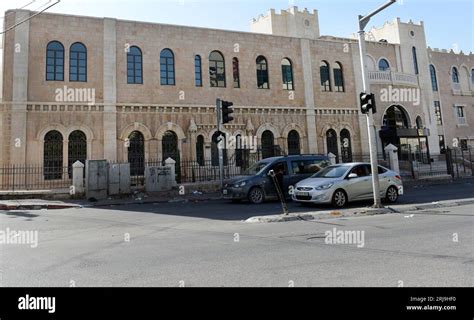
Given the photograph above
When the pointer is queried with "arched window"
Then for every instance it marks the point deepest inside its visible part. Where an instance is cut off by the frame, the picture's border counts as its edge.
(215, 145)
(77, 149)
(53, 155)
(294, 145)
(331, 143)
(198, 70)
(200, 150)
(455, 75)
(239, 151)
(167, 68)
(287, 74)
(395, 117)
(236, 72)
(55, 61)
(78, 63)
(136, 153)
(262, 73)
(169, 146)
(434, 78)
(268, 144)
(170, 149)
(419, 123)
(384, 65)
(472, 77)
(325, 76)
(134, 66)
(338, 78)
(217, 69)
(415, 60)
(346, 146)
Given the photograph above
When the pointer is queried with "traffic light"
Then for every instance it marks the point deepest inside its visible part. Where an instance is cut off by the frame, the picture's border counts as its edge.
(227, 112)
(367, 103)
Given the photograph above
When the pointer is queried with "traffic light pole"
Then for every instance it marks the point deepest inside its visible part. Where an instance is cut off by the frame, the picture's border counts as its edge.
(363, 21)
(219, 145)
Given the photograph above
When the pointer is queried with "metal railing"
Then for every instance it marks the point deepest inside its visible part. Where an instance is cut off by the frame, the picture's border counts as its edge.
(33, 177)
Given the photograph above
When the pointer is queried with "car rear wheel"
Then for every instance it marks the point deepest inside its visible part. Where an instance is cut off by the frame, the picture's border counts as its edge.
(256, 195)
(339, 199)
(392, 194)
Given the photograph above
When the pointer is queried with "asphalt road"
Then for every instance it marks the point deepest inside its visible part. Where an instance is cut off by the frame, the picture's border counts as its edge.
(207, 244)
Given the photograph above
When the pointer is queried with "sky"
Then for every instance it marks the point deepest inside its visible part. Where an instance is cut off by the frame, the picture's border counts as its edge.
(449, 24)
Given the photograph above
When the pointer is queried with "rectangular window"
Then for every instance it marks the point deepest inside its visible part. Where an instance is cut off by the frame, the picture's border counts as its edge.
(439, 118)
(461, 115)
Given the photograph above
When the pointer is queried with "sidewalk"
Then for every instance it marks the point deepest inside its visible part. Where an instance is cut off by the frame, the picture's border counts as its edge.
(351, 212)
(135, 198)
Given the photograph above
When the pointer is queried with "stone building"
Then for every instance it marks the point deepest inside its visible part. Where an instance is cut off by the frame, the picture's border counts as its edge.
(76, 88)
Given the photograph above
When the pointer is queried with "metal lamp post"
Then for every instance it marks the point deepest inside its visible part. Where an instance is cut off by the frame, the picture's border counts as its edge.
(363, 21)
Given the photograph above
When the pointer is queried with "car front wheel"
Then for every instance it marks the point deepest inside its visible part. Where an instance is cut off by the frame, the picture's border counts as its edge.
(339, 199)
(392, 194)
(256, 195)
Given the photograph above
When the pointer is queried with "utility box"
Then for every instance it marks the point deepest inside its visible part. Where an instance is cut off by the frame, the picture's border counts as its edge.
(158, 179)
(96, 179)
(119, 179)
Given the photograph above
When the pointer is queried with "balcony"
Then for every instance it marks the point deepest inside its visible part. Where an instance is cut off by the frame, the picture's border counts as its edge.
(393, 78)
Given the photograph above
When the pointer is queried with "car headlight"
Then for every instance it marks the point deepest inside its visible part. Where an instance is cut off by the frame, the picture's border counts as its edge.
(325, 186)
(240, 184)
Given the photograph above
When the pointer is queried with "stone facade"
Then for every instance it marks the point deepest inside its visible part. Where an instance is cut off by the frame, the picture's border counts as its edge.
(30, 107)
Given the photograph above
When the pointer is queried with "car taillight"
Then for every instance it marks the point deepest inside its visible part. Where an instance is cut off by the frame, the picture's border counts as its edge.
(398, 177)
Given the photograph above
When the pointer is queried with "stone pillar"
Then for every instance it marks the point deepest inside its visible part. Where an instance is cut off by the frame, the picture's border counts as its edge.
(170, 163)
(309, 96)
(110, 89)
(332, 158)
(20, 90)
(393, 157)
(78, 178)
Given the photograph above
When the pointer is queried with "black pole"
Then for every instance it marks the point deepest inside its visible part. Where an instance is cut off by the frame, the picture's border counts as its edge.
(272, 174)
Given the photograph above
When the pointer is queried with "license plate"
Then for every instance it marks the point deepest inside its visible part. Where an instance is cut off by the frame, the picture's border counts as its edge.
(225, 192)
(302, 194)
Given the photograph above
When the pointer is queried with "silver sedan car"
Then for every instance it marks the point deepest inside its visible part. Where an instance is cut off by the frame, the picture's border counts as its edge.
(343, 183)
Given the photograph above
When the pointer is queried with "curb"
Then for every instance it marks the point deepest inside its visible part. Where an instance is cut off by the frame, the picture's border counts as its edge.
(38, 207)
(143, 202)
(317, 215)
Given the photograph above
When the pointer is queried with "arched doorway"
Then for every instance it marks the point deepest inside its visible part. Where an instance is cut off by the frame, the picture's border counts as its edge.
(268, 144)
(412, 142)
(77, 149)
(331, 143)
(346, 146)
(136, 153)
(53, 155)
(294, 146)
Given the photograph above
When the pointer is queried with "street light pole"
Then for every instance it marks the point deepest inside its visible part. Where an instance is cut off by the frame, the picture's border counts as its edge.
(363, 21)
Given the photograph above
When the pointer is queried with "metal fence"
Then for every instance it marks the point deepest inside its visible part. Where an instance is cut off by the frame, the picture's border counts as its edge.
(382, 159)
(33, 177)
(454, 162)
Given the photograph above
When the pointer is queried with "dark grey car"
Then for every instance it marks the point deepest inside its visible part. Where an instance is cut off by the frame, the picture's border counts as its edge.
(256, 186)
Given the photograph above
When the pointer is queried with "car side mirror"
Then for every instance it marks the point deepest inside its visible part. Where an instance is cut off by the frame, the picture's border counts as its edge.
(352, 176)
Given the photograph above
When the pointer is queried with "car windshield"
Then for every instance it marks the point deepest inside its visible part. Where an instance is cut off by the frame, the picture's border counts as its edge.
(255, 168)
(332, 172)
